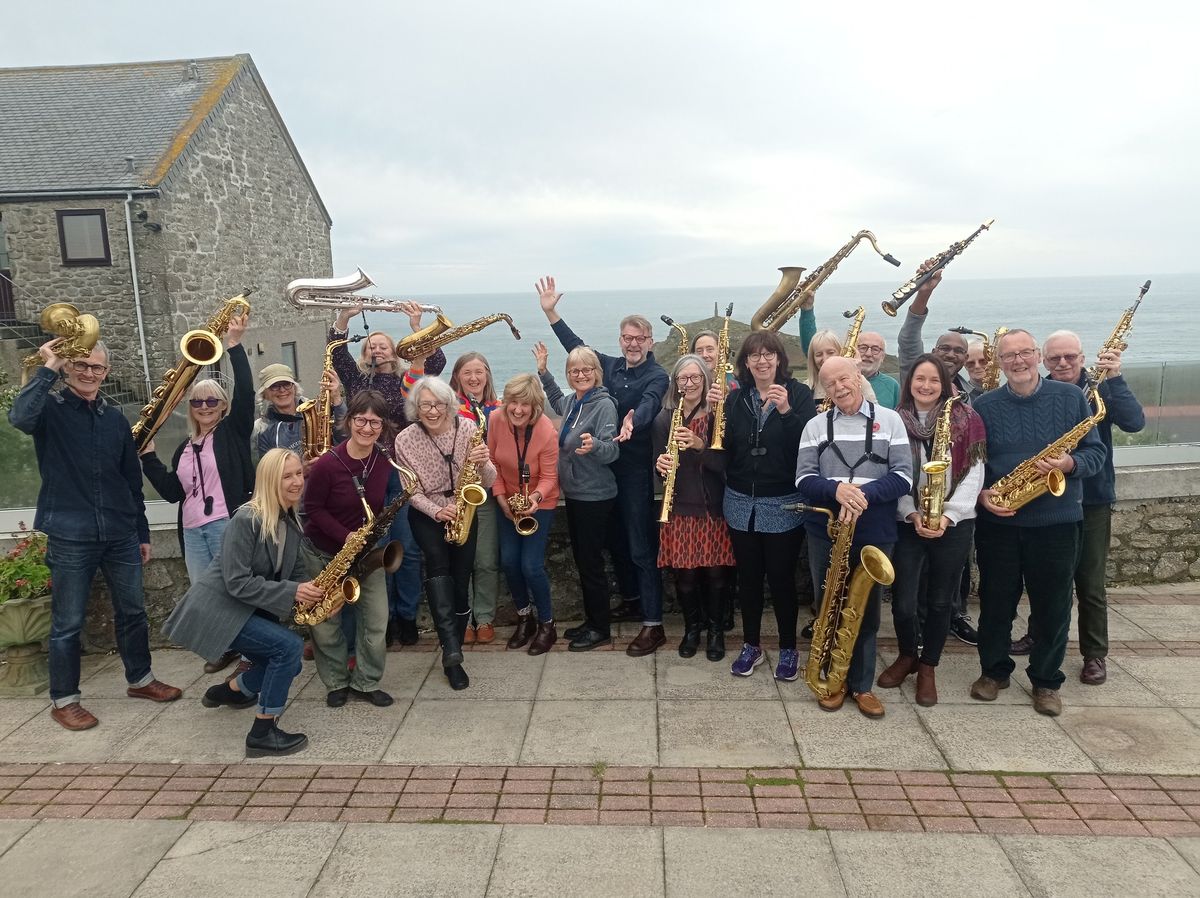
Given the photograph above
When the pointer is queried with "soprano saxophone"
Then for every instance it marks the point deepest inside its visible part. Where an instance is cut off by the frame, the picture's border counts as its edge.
(681, 330)
(908, 290)
(469, 494)
(721, 375)
(849, 347)
(937, 468)
(1115, 342)
(673, 450)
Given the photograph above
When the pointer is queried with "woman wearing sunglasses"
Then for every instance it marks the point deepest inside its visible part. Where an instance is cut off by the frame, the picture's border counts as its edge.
(211, 473)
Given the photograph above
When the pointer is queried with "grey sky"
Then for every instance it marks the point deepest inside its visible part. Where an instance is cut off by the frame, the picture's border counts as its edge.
(471, 147)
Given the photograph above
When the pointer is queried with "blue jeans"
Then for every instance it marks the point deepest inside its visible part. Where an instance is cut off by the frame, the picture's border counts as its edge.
(404, 586)
(73, 564)
(524, 561)
(200, 546)
(276, 652)
(635, 514)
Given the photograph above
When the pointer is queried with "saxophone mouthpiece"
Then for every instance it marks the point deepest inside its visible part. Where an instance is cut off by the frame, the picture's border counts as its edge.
(890, 259)
(799, 507)
(729, 311)
(1145, 286)
(516, 333)
(667, 320)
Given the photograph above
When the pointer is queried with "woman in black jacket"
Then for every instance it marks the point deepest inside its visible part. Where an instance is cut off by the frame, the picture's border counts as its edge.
(763, 422)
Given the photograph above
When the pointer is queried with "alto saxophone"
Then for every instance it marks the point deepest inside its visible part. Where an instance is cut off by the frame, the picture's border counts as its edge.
(469, 494)
(522, 508)
(1116, 342)
(836, 627)
(849, 347)
(907, 290)
(1025, 482)
(792, 293)
(317, 413)
(673, 450)
(933, 493)
(721, 373)
(198, 347)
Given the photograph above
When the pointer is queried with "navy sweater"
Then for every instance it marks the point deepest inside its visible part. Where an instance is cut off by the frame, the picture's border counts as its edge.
(1125, 412)
(1020, 427)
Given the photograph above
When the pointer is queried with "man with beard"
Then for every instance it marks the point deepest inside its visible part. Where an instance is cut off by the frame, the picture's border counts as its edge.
(871, 351)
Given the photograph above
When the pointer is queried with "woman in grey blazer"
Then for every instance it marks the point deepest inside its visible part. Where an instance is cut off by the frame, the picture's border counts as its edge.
(237, 604)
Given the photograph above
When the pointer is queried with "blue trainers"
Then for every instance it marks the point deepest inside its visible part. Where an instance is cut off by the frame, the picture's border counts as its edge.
(750, 658)
(788, 667)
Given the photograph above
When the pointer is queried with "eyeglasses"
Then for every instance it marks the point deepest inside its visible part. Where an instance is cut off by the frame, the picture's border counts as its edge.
(1070, 359)
(690, 379)
(580, 372)
(366, 423)
(950, 350)
(211, 402)
(628, 338)
(865, 348)
(431, 406)
(766, 356)
(1024, 355)
(282, 385)
(84, 368)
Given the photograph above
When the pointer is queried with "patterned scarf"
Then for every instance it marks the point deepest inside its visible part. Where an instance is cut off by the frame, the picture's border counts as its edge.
(966, 433)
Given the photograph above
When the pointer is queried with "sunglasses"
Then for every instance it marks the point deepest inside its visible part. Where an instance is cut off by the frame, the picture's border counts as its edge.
(211, 402)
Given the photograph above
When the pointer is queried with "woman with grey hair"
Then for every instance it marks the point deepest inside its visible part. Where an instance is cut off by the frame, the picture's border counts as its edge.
(436, 450)
(694, 541)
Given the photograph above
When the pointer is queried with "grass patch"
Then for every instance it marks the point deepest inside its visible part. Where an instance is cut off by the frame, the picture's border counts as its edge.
(599, 769)
(773, 781)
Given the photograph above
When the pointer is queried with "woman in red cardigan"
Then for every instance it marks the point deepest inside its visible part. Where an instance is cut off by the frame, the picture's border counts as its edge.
(523, 444)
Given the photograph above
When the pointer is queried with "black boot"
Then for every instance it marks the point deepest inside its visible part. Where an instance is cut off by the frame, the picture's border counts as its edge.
(406, 631)
(393, 628)
(691, 623)
(440, 593)
(728, 595)
(458, 677)
(715, 650)
(273, 742)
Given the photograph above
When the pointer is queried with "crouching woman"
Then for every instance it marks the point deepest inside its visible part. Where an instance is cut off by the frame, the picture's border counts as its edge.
(237, 604)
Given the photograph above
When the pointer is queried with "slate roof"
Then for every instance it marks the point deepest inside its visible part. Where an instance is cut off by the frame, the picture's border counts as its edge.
(71, 127)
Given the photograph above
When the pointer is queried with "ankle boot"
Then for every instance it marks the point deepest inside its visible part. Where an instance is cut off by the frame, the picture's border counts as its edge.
(524, 632)
(440, 592)
(457, 677)
(897, 671)
(546, 637)
(926, 685)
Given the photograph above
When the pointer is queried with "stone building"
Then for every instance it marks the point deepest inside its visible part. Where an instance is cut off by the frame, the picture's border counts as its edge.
(147, 193)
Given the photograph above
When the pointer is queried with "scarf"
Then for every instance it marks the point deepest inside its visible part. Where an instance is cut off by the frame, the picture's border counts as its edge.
(967, 436)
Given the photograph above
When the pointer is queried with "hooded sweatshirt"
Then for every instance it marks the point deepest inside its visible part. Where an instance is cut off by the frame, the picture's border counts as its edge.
(586, 478)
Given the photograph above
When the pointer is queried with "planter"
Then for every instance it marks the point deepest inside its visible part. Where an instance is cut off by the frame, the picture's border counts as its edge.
(24, 624)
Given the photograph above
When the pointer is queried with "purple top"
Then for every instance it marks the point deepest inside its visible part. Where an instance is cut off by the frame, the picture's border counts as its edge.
(331, 502)
(390, 385)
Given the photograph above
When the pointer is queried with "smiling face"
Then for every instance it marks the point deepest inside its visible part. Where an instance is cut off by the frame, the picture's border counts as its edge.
(976, 363)
(291, 485)
(690, 382)
(473, 378)
(582, 378)
(842, 382)
(282, 395)
(823, 351)
(952, 349)
(706, 348)
(365, 430)
(1064, 359)
(433, 412)
(926, 386)
(1019, 358)
(762, 365)
(519, 413)
(635, 345)
(380, 350)
(84, 376)
(208, 414)
(870, 353)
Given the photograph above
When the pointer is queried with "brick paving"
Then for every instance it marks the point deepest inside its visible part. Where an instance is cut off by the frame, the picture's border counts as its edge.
(910, 801)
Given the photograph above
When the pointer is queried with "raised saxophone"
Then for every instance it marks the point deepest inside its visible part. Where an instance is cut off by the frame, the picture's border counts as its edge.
(849, 346)
(909, 288)
(469, 494)
(1116, 341)
(672, 450)
(77, 335)
(670, 322)
(198, 348)
(721, 376)
(836, 627)
(937, 468)
(792, 293)
(317, 437)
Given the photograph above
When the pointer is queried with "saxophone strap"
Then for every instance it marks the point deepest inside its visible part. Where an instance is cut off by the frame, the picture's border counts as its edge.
(522, 451)
(447, 457)
(868, 455)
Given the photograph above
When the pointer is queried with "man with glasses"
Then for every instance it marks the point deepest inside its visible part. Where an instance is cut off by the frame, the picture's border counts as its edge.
(90, 505)
(638, 383)
(871, 351)
(1063, 357)
(1037, 546)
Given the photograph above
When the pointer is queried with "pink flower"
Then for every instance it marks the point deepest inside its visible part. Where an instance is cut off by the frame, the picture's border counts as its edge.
(21, 582)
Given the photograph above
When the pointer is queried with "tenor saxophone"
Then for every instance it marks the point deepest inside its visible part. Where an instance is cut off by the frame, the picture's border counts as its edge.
(909, 288)
(469, 494)
(721, 375)
(1116, 342)
(933, 493)
(849, 346)
(792, 293)
(673, 450)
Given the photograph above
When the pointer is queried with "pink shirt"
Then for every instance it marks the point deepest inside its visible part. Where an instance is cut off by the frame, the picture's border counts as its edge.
(189, 477)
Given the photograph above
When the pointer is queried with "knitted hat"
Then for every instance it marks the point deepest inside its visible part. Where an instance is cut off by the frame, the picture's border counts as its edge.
(273, 374)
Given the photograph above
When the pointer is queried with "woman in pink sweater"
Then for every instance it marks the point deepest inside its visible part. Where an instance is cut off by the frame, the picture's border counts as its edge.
(523, 444)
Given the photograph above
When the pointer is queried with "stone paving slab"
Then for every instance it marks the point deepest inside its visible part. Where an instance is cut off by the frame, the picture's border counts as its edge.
(828, 739)
(1175, 680)
(900, 864)
(596, 675)
(745, 862)
(534, 860)
(733, 733)
(988, 736)
(445, 731)
(1087, 867)
(1135, 740)
(586, 731)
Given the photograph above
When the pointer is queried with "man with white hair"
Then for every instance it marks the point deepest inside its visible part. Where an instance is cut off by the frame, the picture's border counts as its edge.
(871, 351)
(855, 461)
(1063, 356)
(976, 366)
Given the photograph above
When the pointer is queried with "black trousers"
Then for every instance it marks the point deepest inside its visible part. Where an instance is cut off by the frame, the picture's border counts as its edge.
(442, 559)
(587, 524)
(773, 556)
(935, 594)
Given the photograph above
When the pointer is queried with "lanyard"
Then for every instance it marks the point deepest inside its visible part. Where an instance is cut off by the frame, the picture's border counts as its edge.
(523, 468)
(448, 457)
(576, 409)
(197, 449)
(756, 406)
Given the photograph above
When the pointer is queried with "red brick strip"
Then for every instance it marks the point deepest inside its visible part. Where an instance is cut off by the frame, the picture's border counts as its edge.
(910, 801)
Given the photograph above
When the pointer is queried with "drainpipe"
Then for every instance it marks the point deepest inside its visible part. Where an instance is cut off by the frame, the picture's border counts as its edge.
(137, 293)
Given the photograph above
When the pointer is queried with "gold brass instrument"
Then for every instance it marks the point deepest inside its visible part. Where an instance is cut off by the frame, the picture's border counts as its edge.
(672, 450)
(522, 510)
(684, 348)
(433, 337)
(1025, 482)
(469, 494)
(907, 290)
(317, 437)
(792, 293)
(198, 347)
(77, 334)
(720, 376)
(1116, 341)
(936, 469)
(849, 347)
(991, 377)
(836, 627)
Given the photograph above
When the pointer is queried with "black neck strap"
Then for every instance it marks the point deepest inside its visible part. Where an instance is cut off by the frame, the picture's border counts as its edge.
(867, 455)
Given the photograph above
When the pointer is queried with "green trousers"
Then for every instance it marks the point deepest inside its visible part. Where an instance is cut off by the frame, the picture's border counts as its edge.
(1089, 581)
(329, 643)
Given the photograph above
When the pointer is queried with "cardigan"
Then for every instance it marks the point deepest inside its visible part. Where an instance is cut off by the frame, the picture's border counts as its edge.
(541, 456)
(422, 453)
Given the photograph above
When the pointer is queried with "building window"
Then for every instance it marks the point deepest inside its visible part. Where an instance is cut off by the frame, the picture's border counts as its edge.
(83, 237)
(287, 353)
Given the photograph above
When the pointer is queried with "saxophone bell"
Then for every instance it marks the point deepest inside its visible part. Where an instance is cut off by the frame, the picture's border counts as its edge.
(474, 494)
(199, 347)
(526, 526)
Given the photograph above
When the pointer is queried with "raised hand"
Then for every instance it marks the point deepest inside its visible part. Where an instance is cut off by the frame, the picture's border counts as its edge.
(237, 328)
(548, 296)
(541, 354)
(413, 311)
(626, 432)
(778, 394)
(344, 316)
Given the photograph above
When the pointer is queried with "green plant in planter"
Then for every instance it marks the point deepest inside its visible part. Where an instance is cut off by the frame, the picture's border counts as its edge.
(24, 617)
(23, 571)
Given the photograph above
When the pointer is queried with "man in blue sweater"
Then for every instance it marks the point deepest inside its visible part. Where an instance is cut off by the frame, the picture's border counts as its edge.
(1038, 545)
(638, 383)
(1063, 357)
(855, 461)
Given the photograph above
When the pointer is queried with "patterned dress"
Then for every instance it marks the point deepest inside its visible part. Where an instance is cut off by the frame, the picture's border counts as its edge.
(695, 540)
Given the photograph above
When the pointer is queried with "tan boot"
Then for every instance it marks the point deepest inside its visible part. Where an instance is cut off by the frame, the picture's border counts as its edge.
(926, 685)
(897, 672)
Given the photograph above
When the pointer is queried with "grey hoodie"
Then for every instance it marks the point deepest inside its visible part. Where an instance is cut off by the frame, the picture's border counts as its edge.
(587, 478)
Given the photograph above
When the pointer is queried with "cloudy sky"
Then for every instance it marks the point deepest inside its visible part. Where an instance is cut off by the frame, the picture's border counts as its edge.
(470, 147)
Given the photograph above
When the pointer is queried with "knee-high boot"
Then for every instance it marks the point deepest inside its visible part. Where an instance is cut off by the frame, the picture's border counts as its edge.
(693, 620)
(716, 606)
(440, 592)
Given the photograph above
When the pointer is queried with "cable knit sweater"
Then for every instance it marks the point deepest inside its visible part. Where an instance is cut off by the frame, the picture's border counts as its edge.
(425, 454)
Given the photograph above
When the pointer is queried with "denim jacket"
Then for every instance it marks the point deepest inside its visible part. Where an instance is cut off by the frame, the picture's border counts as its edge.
(91, 479)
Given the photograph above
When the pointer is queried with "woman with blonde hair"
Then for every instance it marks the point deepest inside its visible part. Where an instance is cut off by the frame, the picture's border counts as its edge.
(523, 444)
(825, 344)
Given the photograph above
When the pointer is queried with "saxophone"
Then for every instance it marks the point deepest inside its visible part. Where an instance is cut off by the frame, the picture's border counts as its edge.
(907, 290)
(683, 334)
(836, 627)
(792, 293)
(199, 348)
(1025, 482)
(469, 494)
(1116, 341)
(77, 335)
(430, 339)
(522, 509)
(673, 450)
(933, 493)
(849, 347)
(721, 375)
(318, 413)
(991, 377)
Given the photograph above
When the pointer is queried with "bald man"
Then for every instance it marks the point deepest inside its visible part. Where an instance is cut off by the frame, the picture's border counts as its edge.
(871, 351)
(951, 348)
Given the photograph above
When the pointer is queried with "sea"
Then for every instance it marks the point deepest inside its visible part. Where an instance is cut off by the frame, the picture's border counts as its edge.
(1166, 327)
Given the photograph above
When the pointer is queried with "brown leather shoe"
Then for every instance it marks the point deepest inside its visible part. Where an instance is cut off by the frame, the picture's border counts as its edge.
(1046, 701)
(524, 632)
(221, 663)
(833, 702)
(546, 636)
(156, 691)
(897, 672)
(926, 685)
(468, 635)
(1094, 672)
(869, 705)
(985, 689)
(646, 642)
(74, 717)
(485, 634)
